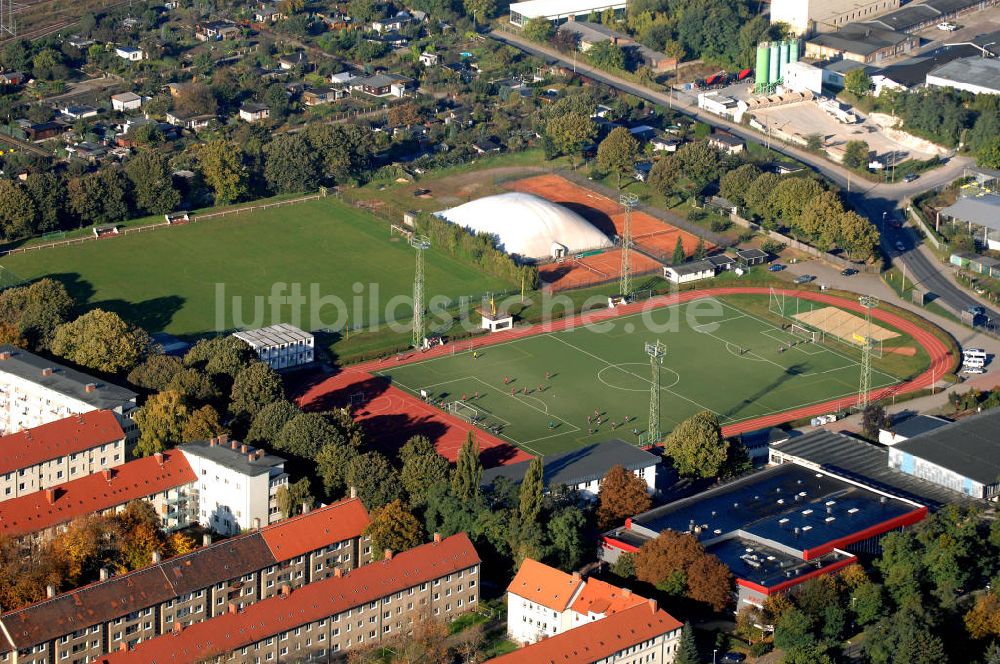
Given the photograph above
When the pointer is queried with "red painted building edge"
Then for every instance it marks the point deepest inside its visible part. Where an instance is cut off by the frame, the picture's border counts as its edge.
(907, 519)
(785, 585)
(613, 543)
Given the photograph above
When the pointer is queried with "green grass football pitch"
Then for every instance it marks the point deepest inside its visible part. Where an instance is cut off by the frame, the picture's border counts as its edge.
(727, 362)
(168, 279)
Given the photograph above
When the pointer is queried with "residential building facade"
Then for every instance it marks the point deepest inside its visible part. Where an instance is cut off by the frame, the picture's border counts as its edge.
(121, 612)
(36, 391)
(53, 453)
(324, 620)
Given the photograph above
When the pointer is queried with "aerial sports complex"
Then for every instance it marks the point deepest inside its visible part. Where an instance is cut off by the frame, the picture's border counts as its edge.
(756, 356)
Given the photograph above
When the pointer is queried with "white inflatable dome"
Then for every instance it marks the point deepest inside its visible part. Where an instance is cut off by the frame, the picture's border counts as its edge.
(528, 225)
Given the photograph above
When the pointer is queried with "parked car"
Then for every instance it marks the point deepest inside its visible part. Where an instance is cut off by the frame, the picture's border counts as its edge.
(947, 27)
(733, 658)
(777, 267)
(977, 311)
(848, 272)
(910, 177)
(804, 279)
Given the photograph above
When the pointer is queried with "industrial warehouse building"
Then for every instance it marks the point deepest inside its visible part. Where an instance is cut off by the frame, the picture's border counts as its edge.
(560, 10)
(977, 75)
(809, 16)
(962, 456)
(776, 528)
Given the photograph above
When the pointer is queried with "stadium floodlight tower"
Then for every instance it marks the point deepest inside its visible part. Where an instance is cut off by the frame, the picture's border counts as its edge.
(629, 201)
(420, 243)
(656, 352)
(865, 382)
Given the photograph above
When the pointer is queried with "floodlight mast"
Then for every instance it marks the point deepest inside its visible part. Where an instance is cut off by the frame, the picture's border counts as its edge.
(656, 351)
(629, 202)
(865, 380)
(420, 243)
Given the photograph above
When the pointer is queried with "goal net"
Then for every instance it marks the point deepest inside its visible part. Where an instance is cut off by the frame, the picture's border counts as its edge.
(464, 411)
(357, 399)
(805, 333)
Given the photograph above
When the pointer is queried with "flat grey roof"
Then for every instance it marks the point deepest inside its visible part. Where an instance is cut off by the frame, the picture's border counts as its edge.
(980, 210)
(868, 464)
(860, 38)
(971, 71)
(224, 455)
(578, 466)
(969, 447)
(916, 425)
(64, 380)
(693, 267)
(274, 335)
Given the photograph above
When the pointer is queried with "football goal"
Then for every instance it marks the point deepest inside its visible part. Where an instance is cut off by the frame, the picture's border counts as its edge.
(800, 332)
(464, 411)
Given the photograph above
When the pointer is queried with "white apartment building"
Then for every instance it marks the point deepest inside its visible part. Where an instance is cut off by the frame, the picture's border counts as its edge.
(282, 346)
(236, 486)
(36, 391)
(54, 453)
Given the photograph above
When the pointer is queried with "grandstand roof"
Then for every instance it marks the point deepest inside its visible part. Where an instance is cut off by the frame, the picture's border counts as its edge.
(527, 225)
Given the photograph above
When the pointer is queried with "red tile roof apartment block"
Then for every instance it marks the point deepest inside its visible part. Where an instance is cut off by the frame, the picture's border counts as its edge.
(642, 633)
(53, 453)
(43, 513)
(230, 575)
(364, 606)
(543, 601)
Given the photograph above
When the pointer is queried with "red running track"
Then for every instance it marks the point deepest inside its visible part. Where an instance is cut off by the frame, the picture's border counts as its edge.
(501, 452)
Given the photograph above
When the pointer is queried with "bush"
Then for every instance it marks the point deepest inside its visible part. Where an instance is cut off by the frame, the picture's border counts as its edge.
(773, 247)
(697, 215)
(720, 225)
(761, 648)
(745, 235)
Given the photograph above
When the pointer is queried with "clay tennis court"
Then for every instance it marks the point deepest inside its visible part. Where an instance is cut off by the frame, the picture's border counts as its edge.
(390, 416)
(650, 234)
(595, 269)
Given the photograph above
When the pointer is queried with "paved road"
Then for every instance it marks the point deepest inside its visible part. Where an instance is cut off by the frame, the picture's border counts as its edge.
(868, 198)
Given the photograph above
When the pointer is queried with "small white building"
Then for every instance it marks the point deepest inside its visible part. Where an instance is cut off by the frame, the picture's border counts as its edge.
(429, 59)
(543, 601)
(560, 10)
(282, 346)
(126, 101)
(908, 428)
(254, 112)
(236, 485)
(35, 391)
(802, 77)
(130, 53)
(584, 468)
(687, 272)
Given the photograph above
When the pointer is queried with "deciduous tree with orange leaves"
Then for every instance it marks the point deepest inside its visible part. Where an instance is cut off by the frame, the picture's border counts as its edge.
(621, 495)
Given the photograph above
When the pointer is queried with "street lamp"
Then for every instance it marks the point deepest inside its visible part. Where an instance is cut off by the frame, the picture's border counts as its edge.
(715, 650)
(882, 230)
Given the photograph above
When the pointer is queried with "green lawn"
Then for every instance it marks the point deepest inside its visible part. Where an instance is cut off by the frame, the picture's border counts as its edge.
(218, 274)
(719, 357)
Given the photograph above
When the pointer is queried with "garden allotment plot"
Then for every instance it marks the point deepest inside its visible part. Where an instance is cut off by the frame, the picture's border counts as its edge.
(734, 363)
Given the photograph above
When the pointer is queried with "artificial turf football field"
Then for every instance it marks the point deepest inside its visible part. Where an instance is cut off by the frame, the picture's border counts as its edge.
(727, 362)
(167, 279)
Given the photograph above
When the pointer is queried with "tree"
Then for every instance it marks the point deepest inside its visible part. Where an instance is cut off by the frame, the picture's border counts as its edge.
(792, 195)
(873, 418)
(901, 566)
(161, 423)
(988, 154)
(376, 481)
(709, 581)
(735, 183)
(195, 386)
(481, 11)
(393, 528)
(152, 182)
(697, 446)
(290, 165)
(255, 387)
(679, 256)
(101, 340)
(607, 55)
(820, 219)
(857, 82)
(224, 171)
(700, 163)
(565, 531)
(225, 356)
(305, 434)
(416, 446)
(9, 334)
(539, 30)
(468, 470)
(421, 472)
(677, 564)
(48, 192)
(344, 150)
(858, 236)
(570, 132)
(664, 175)
(621, 495)
(155, 372)
(331, 467)
(759, 197)
(687, 648)
(201, 425)
(267, 424)
(617, 153)
(530, 505)
(794, 630)
(17, 211)
(868, 603)
(36, 310)
(291, 497)
(856, 154)
(624, 567)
